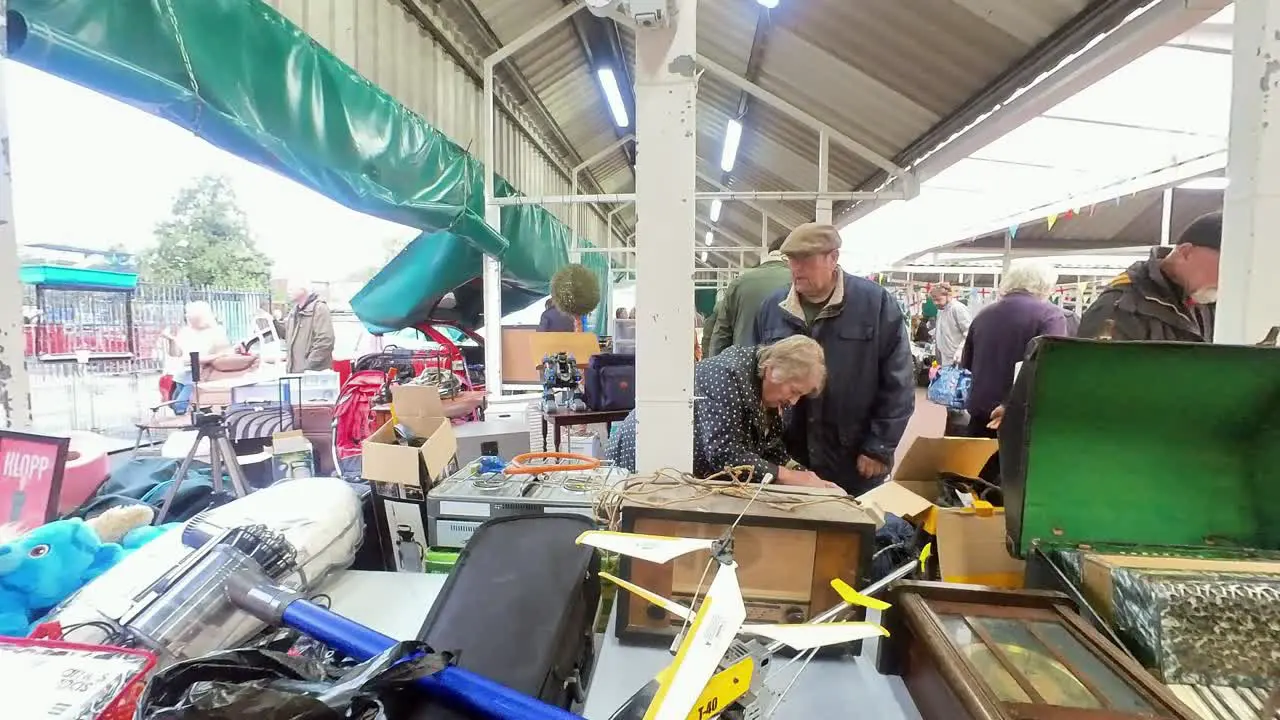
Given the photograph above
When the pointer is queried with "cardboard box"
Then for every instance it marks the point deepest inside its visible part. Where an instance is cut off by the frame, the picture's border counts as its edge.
(418, 408)
(970, 542)
(292, 455)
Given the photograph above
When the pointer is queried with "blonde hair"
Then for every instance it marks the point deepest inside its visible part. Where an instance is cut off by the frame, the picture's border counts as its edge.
(1033, 277)
(200, 309)
(794, 359)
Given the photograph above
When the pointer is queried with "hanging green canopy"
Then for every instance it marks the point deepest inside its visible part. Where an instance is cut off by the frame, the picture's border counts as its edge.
(239, 75)
(704, 301)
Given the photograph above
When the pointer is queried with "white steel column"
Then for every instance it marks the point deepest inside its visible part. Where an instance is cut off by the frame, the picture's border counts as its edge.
(1007, 260)
(822, 211)
(491, 282)
(666, 166)
(1166, 216)
(15, 391)
(492, 277)
(1247, 304)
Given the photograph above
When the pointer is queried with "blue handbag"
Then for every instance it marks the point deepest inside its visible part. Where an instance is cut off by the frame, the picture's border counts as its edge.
(951, 387)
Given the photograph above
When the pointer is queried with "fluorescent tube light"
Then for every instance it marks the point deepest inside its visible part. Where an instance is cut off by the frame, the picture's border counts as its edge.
(732, 136)
(612, 93)
(703, 256)
(708, 238)
(715, 210)
(768, 4)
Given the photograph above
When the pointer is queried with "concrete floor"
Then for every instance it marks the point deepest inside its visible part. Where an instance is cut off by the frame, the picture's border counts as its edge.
(929, 420)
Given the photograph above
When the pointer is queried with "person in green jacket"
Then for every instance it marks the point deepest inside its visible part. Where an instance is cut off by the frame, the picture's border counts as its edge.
(708, 326)
(738, 307)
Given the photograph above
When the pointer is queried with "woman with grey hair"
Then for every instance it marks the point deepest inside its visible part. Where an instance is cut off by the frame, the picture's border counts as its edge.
(1000, 334)
(202, 334)
(737, 418)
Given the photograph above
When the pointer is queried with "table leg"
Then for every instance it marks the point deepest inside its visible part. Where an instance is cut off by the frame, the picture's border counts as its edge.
(556, 425)
(544, 433)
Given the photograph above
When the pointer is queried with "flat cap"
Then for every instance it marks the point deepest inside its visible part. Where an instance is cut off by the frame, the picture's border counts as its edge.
(811, 239)
(1205, 231)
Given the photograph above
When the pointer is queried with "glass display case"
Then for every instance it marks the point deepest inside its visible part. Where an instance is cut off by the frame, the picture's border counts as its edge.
(974, 652)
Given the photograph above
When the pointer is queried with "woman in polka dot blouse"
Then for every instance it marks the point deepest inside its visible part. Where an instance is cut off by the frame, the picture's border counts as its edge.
(737, 419)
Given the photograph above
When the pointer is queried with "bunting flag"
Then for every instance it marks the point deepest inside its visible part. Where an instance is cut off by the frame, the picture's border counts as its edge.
(983, 292)
(1053, 220)
(1013, 231)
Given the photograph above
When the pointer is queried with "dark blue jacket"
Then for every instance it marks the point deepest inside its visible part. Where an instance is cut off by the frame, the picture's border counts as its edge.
(870, 391)
(997, 342)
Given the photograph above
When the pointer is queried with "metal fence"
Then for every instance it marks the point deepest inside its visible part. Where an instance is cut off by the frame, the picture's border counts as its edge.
(61, 322)
(102, 396)
(118, 332)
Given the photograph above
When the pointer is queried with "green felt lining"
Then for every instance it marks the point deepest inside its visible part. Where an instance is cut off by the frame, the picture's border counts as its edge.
(1154, 444)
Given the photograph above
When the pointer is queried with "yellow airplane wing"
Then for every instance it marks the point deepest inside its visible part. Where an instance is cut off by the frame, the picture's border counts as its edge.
(670, 606)
(853, 597)
(807, 636)
(654, 548)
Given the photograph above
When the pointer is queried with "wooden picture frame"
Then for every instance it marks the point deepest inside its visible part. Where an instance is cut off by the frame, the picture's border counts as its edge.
(31, 469)
(942, 642)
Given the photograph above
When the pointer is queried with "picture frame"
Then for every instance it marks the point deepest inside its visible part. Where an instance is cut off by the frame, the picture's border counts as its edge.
(31, 470)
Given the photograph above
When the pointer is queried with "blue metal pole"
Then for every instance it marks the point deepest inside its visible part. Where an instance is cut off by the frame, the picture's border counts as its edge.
(451, 684)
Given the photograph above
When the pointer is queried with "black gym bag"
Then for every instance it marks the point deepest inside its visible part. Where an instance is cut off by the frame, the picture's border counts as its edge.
(519, 608)
(610, 382)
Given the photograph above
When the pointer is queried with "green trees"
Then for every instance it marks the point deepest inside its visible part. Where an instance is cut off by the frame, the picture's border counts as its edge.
(206, 242)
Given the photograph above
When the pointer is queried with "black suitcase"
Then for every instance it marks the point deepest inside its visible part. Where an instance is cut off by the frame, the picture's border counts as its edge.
(610, 382)
(519, 608)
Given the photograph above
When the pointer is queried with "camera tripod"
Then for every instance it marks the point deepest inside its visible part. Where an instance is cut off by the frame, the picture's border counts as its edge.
(221, 455)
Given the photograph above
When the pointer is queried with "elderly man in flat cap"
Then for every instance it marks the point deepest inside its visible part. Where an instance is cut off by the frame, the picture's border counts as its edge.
(848, 434)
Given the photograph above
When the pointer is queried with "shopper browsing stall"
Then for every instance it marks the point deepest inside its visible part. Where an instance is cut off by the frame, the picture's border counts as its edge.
(1169, 296)
(999, 336)
(736, 318)
(308, 331)
(203, 335)
(847, 434)
(952, 325)
(737, 420)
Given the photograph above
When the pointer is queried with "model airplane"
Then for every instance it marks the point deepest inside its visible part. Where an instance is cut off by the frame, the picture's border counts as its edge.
(693, 687)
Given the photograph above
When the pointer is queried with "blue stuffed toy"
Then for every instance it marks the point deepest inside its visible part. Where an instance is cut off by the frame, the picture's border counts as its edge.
(47, 565)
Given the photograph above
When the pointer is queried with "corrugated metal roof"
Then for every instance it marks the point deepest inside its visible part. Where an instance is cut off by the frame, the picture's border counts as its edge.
(1132, 221)
(883, 73)
(1088, 150)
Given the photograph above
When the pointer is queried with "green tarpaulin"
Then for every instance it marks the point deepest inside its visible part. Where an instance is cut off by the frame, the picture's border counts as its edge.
(239, 75)
(704, 301)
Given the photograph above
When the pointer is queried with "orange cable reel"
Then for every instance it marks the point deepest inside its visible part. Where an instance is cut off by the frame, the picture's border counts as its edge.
(519, 464)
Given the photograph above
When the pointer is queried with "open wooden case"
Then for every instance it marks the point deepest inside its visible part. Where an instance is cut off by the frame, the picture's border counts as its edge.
(967, 651)
(1139, 478)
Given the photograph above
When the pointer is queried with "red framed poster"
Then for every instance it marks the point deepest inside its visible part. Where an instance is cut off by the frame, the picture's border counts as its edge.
(31, 469)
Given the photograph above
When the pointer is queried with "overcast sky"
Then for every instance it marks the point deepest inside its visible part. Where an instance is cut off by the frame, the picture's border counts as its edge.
(89, 171)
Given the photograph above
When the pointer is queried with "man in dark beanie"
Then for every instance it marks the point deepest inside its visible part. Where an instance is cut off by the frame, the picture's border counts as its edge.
(1169, 296)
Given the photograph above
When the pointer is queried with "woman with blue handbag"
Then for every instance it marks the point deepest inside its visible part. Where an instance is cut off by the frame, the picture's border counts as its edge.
(950, 330)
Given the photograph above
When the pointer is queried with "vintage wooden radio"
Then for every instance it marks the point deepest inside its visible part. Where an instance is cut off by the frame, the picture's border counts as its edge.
(789, 546)
(966, 651)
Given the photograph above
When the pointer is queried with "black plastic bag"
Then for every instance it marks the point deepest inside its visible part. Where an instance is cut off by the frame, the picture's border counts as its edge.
(267, 685)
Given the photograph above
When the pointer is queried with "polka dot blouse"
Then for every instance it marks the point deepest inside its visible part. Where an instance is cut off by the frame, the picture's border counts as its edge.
(731, 426)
